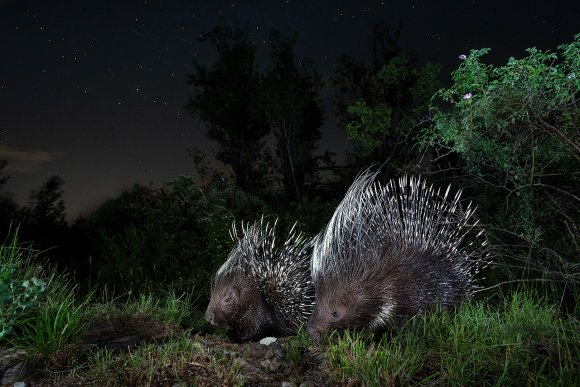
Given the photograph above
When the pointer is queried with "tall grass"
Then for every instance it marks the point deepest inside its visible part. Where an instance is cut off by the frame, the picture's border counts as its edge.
(521, 341)
(21, 285)
(58, 322)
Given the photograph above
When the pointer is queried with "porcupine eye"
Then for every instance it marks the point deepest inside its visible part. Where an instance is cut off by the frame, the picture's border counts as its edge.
(335, 314)
(230, 297)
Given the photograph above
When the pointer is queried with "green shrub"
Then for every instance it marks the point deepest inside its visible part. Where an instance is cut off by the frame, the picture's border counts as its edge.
(178, 234)
(510, 134)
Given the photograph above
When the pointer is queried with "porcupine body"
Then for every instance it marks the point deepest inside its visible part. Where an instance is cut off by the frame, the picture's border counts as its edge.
(265, 286)
(390, 252)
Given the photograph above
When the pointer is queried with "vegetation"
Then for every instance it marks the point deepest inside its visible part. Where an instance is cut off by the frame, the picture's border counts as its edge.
(138, 269)
(20, 285)
(294, 112)
(386, 103)
(227, 103)
(521, 340)
(509, 134)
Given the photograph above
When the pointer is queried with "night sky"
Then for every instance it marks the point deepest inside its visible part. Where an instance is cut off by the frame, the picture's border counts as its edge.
(94, 91)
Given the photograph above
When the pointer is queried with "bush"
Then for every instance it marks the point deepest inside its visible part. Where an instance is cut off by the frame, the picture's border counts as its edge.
(510, 134)
(177, 234)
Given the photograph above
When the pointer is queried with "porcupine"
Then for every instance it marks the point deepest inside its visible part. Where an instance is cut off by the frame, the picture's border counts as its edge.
(264, 287)
(391, 252)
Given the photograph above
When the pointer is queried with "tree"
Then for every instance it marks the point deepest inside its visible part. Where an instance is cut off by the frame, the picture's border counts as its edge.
(513, 131)
(46, 206)
(384, 104)
(3, 179)
(293, 109)
(8, 207)
(226, 100)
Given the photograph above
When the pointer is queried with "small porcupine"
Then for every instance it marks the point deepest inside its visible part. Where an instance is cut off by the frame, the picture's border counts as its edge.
(390, 252)
(264, 287)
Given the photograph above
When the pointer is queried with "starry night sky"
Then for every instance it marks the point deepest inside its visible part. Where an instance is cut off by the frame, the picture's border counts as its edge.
(93, 91)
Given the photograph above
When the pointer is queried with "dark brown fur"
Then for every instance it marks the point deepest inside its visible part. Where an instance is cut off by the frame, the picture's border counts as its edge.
(410, 283)
(236, 302)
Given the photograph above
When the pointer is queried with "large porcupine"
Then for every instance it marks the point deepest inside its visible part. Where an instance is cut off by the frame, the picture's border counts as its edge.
(390, 252)
(264, 287)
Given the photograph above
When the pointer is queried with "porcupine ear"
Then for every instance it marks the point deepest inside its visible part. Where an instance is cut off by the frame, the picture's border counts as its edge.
(348, 299)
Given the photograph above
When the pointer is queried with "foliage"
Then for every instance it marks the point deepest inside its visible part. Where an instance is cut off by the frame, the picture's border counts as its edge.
(46, 206)
(295, 347)
(226, 100)
(58, 323)
(384, 105)
(293, 109)
(21, 288)
(179, 233)
(521, 341)
(311, 214)
(515, 130)
(169, 307)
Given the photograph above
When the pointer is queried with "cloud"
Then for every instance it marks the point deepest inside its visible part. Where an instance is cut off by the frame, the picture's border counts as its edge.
(25, 161)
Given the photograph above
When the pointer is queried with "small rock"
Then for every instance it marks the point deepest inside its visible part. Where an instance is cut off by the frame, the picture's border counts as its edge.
(14, 373)
(242, 363)
(19, 384)
(288, 384)
(268, 340)
(277, 349)
(307, 383)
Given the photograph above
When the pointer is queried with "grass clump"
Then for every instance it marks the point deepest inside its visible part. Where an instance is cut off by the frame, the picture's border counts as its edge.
(21, 285)
(170, 307)
(296, 346)
(520, 341)
(58, 322)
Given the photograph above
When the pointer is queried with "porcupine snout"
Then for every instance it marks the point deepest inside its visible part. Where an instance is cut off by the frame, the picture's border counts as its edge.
(210, 316)
(313, 332)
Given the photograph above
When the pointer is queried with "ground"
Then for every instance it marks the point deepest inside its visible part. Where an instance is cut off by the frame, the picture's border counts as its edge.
(133, 350)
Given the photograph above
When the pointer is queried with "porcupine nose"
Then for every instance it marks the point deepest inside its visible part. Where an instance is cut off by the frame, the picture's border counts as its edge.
(210, 317)
(313, 333)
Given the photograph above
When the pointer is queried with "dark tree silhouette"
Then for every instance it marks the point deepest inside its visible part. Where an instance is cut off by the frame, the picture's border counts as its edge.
(226, 101)
(294, 112)
(3, 179)
(46, 206)
(385, 103)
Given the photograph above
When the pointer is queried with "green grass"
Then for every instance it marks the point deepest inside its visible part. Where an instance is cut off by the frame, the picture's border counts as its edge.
(179, 359)
(58, 323)
(21, 285)
(143, 366)
(295, 347)
(520, 341)
(168, 307)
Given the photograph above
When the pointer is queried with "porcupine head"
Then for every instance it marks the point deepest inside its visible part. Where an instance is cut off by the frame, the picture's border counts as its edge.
(236, 302)
(342, 304)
